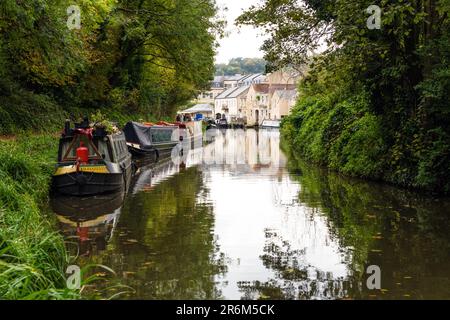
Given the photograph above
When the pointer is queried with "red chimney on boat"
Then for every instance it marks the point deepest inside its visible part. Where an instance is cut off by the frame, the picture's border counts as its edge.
(83, 154)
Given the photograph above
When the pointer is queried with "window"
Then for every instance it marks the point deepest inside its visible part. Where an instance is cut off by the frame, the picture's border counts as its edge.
(71, 154)
(161, 135)
(116, 148)
(103, 150)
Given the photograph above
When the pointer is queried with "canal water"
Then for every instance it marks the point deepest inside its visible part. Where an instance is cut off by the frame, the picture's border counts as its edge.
(240, 219)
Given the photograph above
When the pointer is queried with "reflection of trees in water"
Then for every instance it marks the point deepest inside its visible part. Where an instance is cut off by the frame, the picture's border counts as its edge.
(294, 278)
(173, 253)
(406, 234)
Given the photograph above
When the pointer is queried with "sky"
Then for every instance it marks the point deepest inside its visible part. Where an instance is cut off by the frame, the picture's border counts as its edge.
(241, 42)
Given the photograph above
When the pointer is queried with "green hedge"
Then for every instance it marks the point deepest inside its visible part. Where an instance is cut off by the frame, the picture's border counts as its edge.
(347, 137)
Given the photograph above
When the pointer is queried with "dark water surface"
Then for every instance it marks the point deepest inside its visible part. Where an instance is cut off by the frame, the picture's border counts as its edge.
(241, 220)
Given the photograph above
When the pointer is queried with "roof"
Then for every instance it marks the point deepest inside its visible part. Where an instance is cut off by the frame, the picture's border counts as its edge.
(286, 94)
(244, 78)
(252, 77)
(233, 92)
(199, 108)
(283, 87)
(239, 90)
(261, 87)
(225, 93)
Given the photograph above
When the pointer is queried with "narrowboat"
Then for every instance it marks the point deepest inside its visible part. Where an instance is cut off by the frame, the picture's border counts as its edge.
(151, 142)
(237, 122)
(91, 161)
(191, 134)
(222, 123)
(271, 124)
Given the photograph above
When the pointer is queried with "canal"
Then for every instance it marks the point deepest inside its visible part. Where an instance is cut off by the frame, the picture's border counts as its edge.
(240, 219)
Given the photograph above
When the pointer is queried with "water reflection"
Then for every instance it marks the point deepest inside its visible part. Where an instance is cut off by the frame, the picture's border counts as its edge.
(406, 234)
(167, 249)
(271, 240)
(88, 223)
(238, 219)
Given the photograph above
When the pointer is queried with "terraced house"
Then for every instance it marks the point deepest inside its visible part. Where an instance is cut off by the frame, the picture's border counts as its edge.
(231, 103)
(272, 99)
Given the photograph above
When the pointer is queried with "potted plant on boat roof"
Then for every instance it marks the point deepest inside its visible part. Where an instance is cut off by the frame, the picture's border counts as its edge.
(102, 125)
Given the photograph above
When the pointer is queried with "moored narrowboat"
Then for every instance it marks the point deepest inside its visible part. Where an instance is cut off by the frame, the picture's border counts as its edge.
(191, 134)
(271, 124)
(91, 161)
(151, 142)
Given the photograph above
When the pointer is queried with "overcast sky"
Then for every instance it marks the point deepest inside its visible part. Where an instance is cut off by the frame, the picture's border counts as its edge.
(241, 42)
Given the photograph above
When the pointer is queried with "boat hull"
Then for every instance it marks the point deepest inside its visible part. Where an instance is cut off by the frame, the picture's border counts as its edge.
(143, 157)
(271, 124)
(159, 152)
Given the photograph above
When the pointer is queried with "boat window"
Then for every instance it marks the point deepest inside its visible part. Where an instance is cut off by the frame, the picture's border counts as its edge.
(103, 150)
(70, 155)
(124, 146)
(121, 147)
(116, 148)
(161, 135)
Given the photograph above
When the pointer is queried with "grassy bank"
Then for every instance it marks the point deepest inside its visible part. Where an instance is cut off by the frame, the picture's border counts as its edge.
(33, 258)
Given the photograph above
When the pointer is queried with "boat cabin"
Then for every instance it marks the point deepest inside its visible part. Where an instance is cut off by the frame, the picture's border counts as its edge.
(91, 161)
(100, 148)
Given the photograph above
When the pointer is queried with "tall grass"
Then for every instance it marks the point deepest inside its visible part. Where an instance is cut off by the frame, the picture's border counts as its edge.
(33, 257)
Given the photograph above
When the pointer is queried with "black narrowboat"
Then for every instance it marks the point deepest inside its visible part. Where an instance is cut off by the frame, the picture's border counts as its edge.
(91, 162)
(149, 142)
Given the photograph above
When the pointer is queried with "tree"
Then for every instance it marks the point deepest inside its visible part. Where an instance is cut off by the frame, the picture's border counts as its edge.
(241, 66)
(394, 78)
(134, 59)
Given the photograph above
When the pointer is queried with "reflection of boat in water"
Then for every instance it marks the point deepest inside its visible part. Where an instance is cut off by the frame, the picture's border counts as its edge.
(91, 161)
(148, 177)
(86, 208)
(90, 222)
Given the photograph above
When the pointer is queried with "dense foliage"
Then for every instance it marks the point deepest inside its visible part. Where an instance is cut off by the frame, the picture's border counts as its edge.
(241, 66)
(375, 103)
(135, 58)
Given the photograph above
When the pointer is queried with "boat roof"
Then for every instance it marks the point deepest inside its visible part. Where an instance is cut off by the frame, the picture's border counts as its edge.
(138, 133)
(198, 108)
